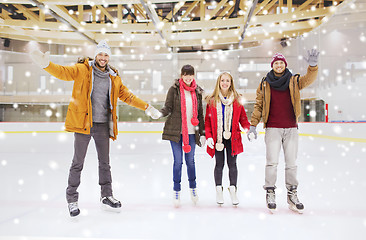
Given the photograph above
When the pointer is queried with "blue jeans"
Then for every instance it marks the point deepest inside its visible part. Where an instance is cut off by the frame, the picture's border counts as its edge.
(178, 162)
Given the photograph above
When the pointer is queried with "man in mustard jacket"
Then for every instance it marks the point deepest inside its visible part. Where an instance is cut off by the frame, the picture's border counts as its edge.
(278, 105)
(92, 114)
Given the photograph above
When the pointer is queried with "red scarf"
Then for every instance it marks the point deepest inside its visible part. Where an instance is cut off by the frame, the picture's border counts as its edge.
(194, 120)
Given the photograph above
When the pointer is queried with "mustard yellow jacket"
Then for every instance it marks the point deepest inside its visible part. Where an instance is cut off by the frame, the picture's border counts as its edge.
(79, 113)
(263, 98)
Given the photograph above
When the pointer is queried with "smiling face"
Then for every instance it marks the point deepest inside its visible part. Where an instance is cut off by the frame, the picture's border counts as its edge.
(101, 60)
(225, 83)
(279, 66)
(187, 79)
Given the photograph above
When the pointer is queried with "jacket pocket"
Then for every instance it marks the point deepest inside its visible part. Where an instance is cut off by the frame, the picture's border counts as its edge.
(76, 118)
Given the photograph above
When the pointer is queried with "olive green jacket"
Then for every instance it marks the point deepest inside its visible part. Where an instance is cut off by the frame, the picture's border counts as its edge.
(173, 125)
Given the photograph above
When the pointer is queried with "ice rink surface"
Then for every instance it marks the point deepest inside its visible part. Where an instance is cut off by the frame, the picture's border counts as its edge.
(35, 160)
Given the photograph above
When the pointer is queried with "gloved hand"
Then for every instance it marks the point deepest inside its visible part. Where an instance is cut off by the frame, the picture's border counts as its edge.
(312, 58)
(210, 143)
(40, 58)
(152, 112)
(252, 130)
(202, 140)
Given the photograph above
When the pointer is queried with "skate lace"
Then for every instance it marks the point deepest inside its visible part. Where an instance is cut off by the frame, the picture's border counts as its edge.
(271, 197)
(293, 197)
(73, 206)
(194, 192)
(112, 199)
(176, 195)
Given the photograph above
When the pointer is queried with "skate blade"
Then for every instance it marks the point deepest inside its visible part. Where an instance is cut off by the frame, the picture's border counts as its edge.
(176, 204)
(220, 203)
(272, 211)
(110, 209)
(294, 209)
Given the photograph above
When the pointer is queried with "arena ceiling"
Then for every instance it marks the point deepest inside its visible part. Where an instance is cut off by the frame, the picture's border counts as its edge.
(210, 24)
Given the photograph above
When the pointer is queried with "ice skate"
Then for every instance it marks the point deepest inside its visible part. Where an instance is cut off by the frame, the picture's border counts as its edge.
(194, 195)
(271, 200)
(293, 201)
(74, 209)
(234, 198)
(110, 204)
(176, 199)
(219, 195)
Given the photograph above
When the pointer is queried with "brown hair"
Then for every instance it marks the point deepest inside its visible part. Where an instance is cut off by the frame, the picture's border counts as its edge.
(214, 97)
(187, 70)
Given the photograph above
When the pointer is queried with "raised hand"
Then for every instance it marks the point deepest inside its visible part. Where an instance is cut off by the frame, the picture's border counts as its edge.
(40, 58)
(312, 58)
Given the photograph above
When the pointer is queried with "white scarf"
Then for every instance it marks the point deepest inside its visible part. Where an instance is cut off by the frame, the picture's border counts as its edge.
(228, 102)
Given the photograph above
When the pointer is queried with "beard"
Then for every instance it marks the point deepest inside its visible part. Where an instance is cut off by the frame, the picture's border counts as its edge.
(99, 66)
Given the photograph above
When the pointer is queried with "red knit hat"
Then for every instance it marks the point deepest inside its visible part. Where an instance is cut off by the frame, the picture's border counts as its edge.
(278, 57)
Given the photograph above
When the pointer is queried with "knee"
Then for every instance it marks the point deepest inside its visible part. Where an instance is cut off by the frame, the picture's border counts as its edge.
(219, 164)
(177, 164)
(290, 167)
(272, 164)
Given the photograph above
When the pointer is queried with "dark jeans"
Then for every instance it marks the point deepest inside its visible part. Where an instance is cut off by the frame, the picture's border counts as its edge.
(178, 162)
(231, 162)
(100, 134)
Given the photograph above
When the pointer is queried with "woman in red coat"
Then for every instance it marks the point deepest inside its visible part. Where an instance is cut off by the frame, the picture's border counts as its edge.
(224, 112)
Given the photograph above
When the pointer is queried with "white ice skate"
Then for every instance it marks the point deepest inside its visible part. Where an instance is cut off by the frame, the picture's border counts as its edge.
(194, 195)
(219, 195)
(234, 198)
(176, 198)
(110, 204)
(293, 202)
(73, 209)
(271, 200)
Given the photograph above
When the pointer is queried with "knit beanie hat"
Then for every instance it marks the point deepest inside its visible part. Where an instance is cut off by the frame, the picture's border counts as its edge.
(102, 47)
(278, 57)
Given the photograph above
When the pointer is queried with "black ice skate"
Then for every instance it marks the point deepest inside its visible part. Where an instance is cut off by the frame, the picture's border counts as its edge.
(293, 201)
(111, 204)
(73, 209)
(271, 199)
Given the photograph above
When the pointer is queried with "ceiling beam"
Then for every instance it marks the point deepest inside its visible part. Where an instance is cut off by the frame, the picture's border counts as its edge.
(248, 17)
(189, 9)
(63, 17)
(155, 19)
(218, 7)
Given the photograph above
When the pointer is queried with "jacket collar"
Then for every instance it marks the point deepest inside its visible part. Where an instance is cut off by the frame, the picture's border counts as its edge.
(90, 63)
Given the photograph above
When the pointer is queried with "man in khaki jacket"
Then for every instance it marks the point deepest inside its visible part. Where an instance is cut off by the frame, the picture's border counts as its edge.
(278, 105)
(92, 114)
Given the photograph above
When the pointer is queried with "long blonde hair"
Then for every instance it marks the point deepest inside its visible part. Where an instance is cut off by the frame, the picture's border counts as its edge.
(215, 95)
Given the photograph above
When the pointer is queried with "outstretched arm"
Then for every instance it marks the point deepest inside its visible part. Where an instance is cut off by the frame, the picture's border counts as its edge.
(128, 97)
(67, 73)
(258, 107)
(169, 103)
(243, 119)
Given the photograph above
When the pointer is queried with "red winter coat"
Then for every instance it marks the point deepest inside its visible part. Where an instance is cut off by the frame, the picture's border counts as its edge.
(239, 116)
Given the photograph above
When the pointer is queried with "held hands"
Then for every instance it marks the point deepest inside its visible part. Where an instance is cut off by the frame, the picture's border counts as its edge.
(312, 58)
(202, 140)
(252, 130)
(40, 58)
(152, 112)
(210, 143)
